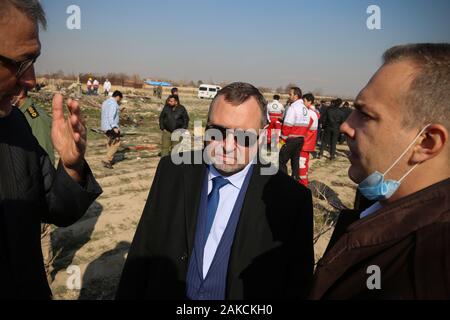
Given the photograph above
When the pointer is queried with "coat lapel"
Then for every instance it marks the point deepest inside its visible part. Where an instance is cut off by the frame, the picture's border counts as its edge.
(324, 276)
(249, 217)
(356, 239)
(193, 182)
(346, 218)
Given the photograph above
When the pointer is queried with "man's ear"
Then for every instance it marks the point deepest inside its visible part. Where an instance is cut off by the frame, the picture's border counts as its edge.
(433, 142)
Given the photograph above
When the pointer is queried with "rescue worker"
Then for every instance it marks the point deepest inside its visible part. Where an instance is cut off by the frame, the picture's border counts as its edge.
(310, 140)
(275, 114)
(293, 132)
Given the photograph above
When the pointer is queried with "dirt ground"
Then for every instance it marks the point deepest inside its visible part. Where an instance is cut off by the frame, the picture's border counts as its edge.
(99, 242)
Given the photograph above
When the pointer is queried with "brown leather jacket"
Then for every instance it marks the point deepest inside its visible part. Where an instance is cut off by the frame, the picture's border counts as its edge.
(409, 240)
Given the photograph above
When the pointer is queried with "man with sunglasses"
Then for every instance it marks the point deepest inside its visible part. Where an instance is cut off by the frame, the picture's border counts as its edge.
(217, 227)
(31, 190)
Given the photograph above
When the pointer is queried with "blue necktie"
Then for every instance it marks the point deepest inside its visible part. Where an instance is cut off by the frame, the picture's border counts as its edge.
(213, 203)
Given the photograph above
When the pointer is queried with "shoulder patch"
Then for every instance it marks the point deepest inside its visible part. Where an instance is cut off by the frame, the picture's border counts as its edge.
(32, 112)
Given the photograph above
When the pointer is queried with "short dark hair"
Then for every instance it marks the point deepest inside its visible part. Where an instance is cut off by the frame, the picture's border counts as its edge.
(173, 96)
(427, 99)
(117, 93)
(338, 102)
(239, 92)
(31, 8)
(309, 97)
(297, 92)
(174, 90)
(276, 97)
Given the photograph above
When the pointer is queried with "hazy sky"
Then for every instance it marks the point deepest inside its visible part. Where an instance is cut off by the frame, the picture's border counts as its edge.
(317, 44)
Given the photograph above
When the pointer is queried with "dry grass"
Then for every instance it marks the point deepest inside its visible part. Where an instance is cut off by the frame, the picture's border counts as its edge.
(100, 242)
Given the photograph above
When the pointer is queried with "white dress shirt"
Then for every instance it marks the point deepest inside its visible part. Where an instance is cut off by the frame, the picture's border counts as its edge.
(228, 196)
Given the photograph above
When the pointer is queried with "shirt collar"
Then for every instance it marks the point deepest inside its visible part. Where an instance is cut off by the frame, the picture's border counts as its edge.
(26, 105)
(113, 100)
(237, 179)
(372, 209)
(299, 101)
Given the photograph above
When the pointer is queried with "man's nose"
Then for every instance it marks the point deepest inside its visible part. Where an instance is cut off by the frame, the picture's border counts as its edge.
(28, 79)
(229, 144)
(347, 129)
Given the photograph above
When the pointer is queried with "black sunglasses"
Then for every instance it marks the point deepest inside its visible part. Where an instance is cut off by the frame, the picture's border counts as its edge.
(20, 66)
(244, 138)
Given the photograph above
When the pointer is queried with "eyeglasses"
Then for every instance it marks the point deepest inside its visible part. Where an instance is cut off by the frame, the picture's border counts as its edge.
(244, 138)
(21, 66)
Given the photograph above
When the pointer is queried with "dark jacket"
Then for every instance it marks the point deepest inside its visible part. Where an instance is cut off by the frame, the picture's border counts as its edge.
(332, 118)
(174, 118)
(272, 255)
(41, 126)
(347, 111)
(409, 240)
(31, 192)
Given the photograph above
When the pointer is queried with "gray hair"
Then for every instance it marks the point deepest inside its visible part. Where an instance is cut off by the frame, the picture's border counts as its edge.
(31, 8)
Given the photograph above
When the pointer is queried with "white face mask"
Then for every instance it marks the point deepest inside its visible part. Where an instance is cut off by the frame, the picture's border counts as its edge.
(376, 188)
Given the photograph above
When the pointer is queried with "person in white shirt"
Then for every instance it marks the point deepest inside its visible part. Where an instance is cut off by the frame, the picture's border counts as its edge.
(107, 87)
(310, 141)
(275, 114)
(96, 85)
(89, 86)
(293, 133)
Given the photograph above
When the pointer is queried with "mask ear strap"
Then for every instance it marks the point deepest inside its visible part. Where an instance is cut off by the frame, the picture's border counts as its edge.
(405, 152)
(407, 174)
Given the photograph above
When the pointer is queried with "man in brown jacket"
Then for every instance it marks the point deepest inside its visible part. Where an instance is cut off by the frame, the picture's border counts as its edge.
(399, 248)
